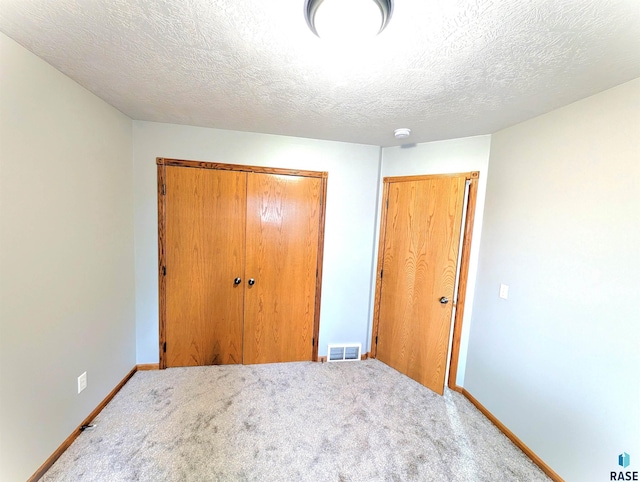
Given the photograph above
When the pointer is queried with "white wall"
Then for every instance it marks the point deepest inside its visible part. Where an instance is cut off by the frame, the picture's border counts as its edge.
(351, 211)
(66, 256)
(559, 361)
(445, 157)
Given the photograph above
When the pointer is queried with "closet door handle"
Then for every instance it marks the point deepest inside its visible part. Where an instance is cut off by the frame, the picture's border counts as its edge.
(237, 281)
(444, 300)
(252, 282)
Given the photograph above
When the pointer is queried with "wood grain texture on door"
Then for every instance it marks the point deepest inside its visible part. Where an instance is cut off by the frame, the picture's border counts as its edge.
(205, 233)
(421, 244)
(283, 214)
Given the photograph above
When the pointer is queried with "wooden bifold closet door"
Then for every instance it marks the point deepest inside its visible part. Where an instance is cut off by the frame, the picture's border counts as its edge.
(283, 214)
(240, 259)
(205, 231)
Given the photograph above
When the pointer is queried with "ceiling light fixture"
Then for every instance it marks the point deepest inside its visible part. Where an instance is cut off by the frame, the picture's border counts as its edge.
(345, 19)
(402, 133)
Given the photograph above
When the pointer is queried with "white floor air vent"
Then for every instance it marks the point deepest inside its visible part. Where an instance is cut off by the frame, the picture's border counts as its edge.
(350, 352)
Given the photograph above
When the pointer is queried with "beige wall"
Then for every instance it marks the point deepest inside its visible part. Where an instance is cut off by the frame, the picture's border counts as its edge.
(66, 256)
(558, 361)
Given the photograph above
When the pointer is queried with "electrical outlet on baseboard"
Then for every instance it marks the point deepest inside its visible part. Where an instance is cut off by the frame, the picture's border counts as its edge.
(82, 382)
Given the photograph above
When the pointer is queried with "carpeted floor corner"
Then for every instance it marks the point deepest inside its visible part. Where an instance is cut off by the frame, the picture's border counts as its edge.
(357, 421)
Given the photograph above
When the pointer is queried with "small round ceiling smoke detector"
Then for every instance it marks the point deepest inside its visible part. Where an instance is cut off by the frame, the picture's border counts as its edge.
(402, 133)
(345, 18)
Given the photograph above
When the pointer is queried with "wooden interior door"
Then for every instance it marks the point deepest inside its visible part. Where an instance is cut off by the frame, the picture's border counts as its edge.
(204, 254)
(283, 222)
(419, 261)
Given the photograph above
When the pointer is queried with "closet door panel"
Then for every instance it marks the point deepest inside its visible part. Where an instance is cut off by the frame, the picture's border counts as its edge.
(283, 214)
(205, 229)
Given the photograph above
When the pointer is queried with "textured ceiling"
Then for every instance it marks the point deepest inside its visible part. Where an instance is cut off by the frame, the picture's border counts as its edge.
(444, 68)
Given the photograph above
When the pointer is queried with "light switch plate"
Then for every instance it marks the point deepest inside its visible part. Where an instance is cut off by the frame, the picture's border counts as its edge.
(82, 382)
(504, 291)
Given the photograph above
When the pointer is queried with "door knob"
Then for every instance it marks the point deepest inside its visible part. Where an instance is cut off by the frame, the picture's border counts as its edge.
(237, 281)
(444, 300)
(252, 282)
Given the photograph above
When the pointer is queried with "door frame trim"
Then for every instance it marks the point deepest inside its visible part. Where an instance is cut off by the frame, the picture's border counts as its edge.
(463, 268)
(162, 163)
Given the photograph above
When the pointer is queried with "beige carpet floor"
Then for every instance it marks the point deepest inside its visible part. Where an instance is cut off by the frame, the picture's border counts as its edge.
(355, 421)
